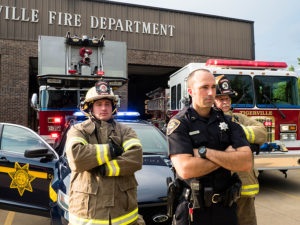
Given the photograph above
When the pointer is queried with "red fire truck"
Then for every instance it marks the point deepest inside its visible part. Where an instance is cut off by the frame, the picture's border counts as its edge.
(267, 93)
(68, 67)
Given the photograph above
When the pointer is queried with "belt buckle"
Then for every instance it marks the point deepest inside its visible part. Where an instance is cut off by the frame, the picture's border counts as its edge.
(213, 198)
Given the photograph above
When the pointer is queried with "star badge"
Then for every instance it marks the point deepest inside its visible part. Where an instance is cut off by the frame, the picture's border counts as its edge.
(21, 179)
(223, 126)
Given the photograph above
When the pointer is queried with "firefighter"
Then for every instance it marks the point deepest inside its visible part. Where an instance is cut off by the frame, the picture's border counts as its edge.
(201, 141)
(103, 156)
(256, 134)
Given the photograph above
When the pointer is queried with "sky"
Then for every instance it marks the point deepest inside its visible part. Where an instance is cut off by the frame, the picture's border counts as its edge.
(276, 22)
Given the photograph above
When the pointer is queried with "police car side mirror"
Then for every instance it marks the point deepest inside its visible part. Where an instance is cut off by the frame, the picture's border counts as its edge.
(33, 101)
(38, 153)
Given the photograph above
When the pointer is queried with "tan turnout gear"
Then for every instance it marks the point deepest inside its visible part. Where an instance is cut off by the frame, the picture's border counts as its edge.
(97, 199)
(256, 133)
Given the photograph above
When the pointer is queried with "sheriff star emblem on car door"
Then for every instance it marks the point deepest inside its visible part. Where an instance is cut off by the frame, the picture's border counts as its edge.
(21, 179)
(223, 126)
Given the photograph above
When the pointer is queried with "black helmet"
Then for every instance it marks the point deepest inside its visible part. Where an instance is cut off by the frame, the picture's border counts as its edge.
(223, 86)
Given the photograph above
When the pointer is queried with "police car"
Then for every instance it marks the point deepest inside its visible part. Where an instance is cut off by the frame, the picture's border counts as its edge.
(35, 176)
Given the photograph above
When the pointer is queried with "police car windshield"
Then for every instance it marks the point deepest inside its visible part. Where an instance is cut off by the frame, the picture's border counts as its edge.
(153, 141)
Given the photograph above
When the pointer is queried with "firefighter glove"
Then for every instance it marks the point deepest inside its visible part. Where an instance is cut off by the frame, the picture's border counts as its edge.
(102, 170)
(115, 149)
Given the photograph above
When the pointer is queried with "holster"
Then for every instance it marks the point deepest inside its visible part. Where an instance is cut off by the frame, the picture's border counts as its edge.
(197, 194)
(233, 193)
(174, 190)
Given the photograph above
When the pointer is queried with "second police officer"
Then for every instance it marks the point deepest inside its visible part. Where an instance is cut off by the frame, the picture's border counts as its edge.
(201, 140)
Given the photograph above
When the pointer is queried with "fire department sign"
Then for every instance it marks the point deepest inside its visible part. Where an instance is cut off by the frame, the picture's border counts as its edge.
(21, 179)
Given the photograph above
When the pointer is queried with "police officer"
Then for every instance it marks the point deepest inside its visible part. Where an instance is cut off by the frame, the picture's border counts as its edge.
(204, 145)
(103, 156)
(256, 134)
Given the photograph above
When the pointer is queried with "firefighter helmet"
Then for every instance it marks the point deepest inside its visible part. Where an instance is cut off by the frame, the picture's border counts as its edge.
(101, 90)
(223, 86)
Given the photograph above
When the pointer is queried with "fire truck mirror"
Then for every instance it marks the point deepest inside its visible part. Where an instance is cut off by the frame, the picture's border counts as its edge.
(34, 99)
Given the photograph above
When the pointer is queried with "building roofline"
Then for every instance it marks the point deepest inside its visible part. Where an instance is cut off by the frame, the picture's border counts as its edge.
(172, 10)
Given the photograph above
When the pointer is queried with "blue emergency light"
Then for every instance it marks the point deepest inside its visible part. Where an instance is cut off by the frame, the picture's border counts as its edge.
(128, 115)
(78, 114)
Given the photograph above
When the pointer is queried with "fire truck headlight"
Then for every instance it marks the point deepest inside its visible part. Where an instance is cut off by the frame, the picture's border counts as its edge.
(288, 127)
(288, 136)
(54, 128)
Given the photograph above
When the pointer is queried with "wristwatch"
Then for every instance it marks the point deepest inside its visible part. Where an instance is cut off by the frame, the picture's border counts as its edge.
(202, 152)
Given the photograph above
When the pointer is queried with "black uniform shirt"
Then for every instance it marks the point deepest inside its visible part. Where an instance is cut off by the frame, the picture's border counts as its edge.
(188, 130)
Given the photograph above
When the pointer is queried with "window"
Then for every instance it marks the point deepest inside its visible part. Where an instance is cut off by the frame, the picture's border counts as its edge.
(18, 139)
(243, 85)
(173, 97)
(151, 139)
(281, 91)
(59, 99)
(178, 103)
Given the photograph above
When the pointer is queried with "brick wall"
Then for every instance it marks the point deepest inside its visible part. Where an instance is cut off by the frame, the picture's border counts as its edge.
(14, 80)
(162, 59)
(123, 92)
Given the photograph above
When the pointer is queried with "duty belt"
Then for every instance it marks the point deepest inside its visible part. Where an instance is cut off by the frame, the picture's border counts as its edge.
(216, 197)
(201, 196)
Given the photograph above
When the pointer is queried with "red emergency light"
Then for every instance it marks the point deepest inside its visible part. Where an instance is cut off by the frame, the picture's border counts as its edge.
(72, 71)
(100, 73)
(268, 123)
(244, 63)
(54, 135)
(57, 120)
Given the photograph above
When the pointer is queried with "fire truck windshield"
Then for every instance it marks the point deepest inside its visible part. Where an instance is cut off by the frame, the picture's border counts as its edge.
(281, 90)
(244, 87)
(61, 99)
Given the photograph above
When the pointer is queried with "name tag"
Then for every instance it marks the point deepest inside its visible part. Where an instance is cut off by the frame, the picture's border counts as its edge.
(194, 132)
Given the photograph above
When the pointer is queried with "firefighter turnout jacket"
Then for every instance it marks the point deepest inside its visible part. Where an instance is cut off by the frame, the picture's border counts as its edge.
(96, 198)
(256, 133)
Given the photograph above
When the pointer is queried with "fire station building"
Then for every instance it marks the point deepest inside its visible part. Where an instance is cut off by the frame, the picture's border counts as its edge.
(159, 42)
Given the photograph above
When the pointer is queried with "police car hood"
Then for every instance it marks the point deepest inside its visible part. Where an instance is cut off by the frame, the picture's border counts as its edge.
(152, 179)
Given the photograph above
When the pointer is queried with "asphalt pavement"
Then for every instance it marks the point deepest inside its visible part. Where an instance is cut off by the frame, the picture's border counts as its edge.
(278, 202)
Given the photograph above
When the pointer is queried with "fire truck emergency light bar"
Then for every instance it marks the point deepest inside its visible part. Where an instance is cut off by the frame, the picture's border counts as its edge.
(244, 63)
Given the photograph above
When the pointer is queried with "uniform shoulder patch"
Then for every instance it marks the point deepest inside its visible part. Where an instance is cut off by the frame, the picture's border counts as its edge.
(172, 125)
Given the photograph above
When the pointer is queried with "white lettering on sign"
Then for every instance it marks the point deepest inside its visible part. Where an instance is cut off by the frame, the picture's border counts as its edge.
(64, 19)
(74, 20)
(109, 23)
(19, 14)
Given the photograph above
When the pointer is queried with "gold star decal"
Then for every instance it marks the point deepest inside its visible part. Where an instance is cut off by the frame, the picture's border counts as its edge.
(21, 179)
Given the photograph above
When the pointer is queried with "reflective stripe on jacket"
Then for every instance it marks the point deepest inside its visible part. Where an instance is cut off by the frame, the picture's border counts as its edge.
(94, 198)
(123, 220)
